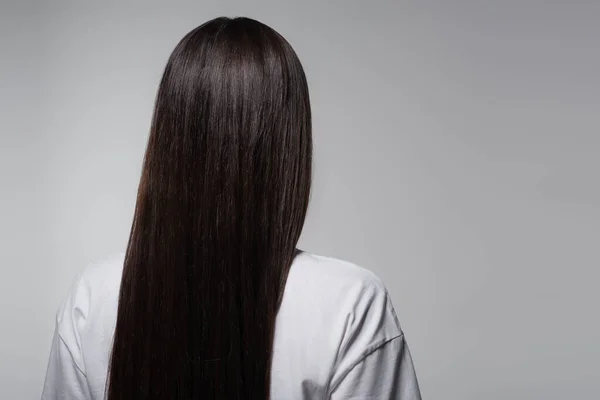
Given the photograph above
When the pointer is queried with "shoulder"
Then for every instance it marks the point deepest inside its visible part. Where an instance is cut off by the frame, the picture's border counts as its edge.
(103, 274)
(96, 285)
(350, 294)
(352, 308)
(335, 273)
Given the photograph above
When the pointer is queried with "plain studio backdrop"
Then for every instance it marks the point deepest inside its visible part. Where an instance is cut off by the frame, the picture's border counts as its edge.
(456, 155)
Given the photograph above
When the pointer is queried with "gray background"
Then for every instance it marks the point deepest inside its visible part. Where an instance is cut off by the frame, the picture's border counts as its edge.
(456, 156)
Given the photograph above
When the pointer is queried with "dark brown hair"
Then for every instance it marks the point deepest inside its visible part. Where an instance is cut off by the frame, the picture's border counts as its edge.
(221, 203)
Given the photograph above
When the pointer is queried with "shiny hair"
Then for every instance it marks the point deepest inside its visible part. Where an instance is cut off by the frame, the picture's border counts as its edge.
(221, 204)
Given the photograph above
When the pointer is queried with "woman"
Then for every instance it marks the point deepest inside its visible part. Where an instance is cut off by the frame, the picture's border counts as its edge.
(212, 300)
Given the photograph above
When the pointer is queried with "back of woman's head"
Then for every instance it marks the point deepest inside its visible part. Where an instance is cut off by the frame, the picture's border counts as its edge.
(221, 204)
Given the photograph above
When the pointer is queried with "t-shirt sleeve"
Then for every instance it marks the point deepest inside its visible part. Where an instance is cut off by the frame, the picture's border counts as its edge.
(65, 375)
(64, 378)
(373, 360)
(385, 373)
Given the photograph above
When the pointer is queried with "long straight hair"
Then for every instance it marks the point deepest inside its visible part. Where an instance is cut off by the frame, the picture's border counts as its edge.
(220, 207)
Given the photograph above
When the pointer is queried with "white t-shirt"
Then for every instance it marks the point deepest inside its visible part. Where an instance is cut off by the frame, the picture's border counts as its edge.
(336, 336)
